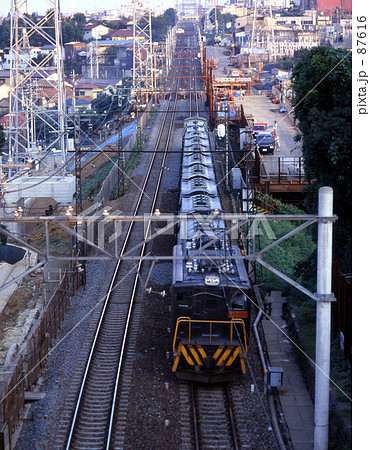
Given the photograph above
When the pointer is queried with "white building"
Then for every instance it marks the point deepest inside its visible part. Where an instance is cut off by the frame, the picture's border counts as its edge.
(94, 31)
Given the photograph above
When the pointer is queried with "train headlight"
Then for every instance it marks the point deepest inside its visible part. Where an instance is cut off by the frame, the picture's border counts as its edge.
(212, 280)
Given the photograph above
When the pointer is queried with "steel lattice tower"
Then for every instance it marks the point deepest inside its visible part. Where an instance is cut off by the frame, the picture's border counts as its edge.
(143, 67)
(188, 8)
(30, 76)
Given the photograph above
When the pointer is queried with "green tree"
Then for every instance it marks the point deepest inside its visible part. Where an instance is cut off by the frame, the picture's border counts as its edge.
(322, 85)
(73, 28)
(222, 18)
(160, 24)
(5, 33)
(288, 62)
(171, 14)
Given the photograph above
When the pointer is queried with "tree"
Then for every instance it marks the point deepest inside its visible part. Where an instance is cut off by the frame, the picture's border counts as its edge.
(5, 33)
(223, 19)
(160, 24)
(73, 28)
(171, 14)
(322, 85)
(288, 62)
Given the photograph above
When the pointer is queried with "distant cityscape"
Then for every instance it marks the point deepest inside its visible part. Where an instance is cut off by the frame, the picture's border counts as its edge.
(97, 47)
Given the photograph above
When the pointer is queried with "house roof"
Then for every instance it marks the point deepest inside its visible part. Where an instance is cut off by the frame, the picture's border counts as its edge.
(91, 26)
(5, 73)
(124, 32)
(87, 86)
(75, 44)
(5, 120)
(50, 92)
(80, 100)
(98, 83)
(103, 42)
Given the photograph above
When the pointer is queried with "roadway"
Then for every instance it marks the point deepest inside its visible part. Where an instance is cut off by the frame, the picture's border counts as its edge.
(261, 107)
(217, 52)
(264, 110)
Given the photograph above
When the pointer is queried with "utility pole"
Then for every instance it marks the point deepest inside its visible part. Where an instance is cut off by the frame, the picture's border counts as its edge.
(323, 317)
(81, 248)
(251, 48)
(121, 158)
(227, 144)
(77, 145)
(214, 5)
(273, 35)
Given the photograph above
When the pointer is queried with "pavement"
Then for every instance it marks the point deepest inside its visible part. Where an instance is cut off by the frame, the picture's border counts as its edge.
(295, 400)
(265, 111)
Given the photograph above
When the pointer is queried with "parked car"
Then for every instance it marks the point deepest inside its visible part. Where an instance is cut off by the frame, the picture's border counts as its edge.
(270, 129)
(282, 109)
(235, 73)
(265, 143)
(257, 128)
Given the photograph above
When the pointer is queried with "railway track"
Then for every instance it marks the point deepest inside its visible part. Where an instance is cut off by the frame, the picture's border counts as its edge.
(101, 412)
(207, 416)
(99, 409)
(212, 421)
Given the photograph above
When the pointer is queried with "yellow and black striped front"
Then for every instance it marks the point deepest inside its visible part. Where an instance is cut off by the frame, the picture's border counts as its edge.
(209, 361)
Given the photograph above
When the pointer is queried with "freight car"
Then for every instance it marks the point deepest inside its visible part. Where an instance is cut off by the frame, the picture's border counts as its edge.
(210, 307)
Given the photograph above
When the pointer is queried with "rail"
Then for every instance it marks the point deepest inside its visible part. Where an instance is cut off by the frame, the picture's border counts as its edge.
(211, 408)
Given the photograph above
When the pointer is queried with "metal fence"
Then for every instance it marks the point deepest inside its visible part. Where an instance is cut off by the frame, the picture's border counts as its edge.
(19, 377)
(282, 169)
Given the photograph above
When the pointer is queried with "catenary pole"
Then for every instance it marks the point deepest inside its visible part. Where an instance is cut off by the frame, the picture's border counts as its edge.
(324, 299)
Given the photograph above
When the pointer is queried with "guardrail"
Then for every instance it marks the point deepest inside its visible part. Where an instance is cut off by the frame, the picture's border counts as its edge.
(282, 169)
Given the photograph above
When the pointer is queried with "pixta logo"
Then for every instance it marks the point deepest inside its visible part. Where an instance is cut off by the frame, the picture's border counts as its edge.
(96, 230)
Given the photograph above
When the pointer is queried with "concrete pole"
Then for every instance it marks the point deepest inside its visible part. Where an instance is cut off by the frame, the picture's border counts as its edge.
(322, 371)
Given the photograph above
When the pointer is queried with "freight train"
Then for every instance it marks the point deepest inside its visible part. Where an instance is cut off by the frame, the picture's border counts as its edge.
(210, 306)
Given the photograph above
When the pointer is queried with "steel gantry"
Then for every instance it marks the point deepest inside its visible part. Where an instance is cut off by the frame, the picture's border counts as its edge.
(31, 74)
(190, 9)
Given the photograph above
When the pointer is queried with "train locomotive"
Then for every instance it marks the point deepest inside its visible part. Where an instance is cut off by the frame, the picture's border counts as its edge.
(210, 310)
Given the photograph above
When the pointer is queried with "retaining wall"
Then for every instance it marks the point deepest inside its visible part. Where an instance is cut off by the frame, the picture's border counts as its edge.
(25, 371)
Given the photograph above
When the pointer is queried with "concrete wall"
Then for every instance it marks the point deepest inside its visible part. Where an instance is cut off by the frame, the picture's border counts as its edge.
(61, 189)
(9, 271)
